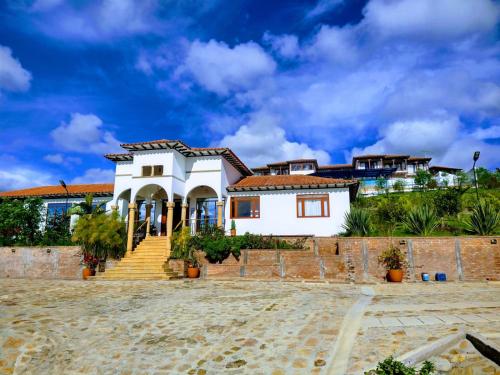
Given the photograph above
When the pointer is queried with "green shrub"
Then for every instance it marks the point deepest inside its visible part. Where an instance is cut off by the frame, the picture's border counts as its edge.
(357, 222)
(448, 202)
(181, 244)
(389, 212)
(421, 220)
(399, 186)
(483, 220)
(20, 221)
(390, 366)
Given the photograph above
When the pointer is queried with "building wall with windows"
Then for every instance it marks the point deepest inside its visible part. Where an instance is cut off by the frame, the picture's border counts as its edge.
(279, 212)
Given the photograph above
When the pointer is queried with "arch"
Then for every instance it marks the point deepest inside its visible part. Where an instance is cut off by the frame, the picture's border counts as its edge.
(122, 200)
(201, 190)
(150, 192)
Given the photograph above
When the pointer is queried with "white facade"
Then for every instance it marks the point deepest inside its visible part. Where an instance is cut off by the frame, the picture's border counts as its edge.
(278, 213)
(199, 179)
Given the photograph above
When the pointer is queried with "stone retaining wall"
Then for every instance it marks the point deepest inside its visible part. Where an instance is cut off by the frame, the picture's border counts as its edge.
(356, 259)
(51, 262)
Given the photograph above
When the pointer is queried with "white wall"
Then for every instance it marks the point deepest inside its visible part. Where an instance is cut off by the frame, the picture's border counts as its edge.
(278, 214)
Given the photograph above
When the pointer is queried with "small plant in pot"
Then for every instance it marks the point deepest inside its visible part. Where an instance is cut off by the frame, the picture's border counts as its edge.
(193, 268)
(394, 262)
(233, 228)
(90, 262)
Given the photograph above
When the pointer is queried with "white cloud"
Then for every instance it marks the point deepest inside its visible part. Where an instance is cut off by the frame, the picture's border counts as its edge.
(322, 7)
(12, 178)
(62, 160)
(84, 134)
(94, 176)
(415, 137)
(45, 5)
(221, 69)
(97, 21)
(444, 139)
(262, 140)
(13, 77)
(285, 46)
(434, 19)
(336, 44)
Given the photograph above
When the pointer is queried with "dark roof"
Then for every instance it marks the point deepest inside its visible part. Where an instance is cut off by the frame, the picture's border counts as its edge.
(419, 158)
(335, 166)
(437, 168)
(188, 151)
(55, 191)
(382, 156)
(288, 182)
(119, 157)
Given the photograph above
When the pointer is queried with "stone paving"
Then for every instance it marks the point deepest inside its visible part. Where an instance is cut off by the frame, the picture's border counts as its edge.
(229, 327)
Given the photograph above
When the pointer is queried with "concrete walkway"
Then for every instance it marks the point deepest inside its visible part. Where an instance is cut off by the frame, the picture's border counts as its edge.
(232, 327)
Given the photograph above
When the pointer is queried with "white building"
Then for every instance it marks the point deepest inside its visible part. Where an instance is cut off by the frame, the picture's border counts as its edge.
(175, 185)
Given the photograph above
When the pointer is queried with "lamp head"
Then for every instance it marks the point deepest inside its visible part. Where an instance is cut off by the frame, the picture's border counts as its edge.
(476, 155)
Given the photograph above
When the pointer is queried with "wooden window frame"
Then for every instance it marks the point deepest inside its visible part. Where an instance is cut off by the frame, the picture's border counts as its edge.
(255, 203)
(160, 167)
(322, 197)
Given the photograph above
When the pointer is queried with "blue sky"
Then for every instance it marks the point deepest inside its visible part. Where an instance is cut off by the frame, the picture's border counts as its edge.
(273, 80)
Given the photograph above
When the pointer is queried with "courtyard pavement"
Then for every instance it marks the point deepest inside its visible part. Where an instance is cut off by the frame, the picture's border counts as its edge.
(229, 327)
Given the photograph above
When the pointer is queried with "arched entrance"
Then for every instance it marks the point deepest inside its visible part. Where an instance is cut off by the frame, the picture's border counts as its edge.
(205, 209)
(151, 201)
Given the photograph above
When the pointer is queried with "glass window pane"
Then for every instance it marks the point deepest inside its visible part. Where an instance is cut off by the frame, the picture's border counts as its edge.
(312, 207)
(244, 208)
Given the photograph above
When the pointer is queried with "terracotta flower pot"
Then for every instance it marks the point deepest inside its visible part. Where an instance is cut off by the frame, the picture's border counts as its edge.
(193, 272)
(233, 232)
(86, 272)
(396, 276)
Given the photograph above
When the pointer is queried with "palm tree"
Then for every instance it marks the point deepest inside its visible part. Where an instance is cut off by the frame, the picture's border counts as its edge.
(87, 207)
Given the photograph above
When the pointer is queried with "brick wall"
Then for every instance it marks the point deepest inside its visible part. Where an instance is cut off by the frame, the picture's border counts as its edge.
(356, 259)
(61, 262)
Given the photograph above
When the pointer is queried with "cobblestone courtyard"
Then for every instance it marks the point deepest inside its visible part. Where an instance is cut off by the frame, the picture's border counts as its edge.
(233, 327)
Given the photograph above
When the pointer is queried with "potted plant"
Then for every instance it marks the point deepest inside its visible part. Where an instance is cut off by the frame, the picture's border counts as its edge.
(90, 263)
(394, 261)
(233, 228)
(193, 269)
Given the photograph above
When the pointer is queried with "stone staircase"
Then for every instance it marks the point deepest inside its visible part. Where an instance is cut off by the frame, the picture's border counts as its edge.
(147, 262)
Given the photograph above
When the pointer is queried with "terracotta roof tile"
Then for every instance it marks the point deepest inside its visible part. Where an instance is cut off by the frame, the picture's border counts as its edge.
(335, 166)
(294, 181)
(58, 191)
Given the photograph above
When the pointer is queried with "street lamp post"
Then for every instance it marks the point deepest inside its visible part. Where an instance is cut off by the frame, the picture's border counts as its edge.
(475, 158)
(63, 184)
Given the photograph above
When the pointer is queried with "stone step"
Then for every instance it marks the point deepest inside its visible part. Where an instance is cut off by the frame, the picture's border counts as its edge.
(143, 277)
(139, 274)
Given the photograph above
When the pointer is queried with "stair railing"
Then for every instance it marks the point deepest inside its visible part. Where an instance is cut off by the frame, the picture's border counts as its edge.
(139, 234)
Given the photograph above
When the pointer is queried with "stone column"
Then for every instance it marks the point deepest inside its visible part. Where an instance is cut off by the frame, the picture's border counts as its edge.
(148, 219)
(170, 223)
(184, 214)
(131, 222)
(220, 206)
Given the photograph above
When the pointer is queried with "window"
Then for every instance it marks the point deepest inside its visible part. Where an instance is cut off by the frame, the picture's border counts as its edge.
(152, 170)
(55, 210)
(158, 170)
(245, 207)
(302, 167)
(313, 206)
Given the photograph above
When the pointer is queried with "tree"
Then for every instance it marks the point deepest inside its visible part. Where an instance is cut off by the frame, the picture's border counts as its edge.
(487, 179)
(399, 186)
(381, 183)
(20, 221)
(87, 207)
(389, 213)
(101, 235)
(448, 202)
(422, 179)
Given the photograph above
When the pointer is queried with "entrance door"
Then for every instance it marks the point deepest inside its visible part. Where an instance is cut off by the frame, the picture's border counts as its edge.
(163, 228)
(206, 213)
